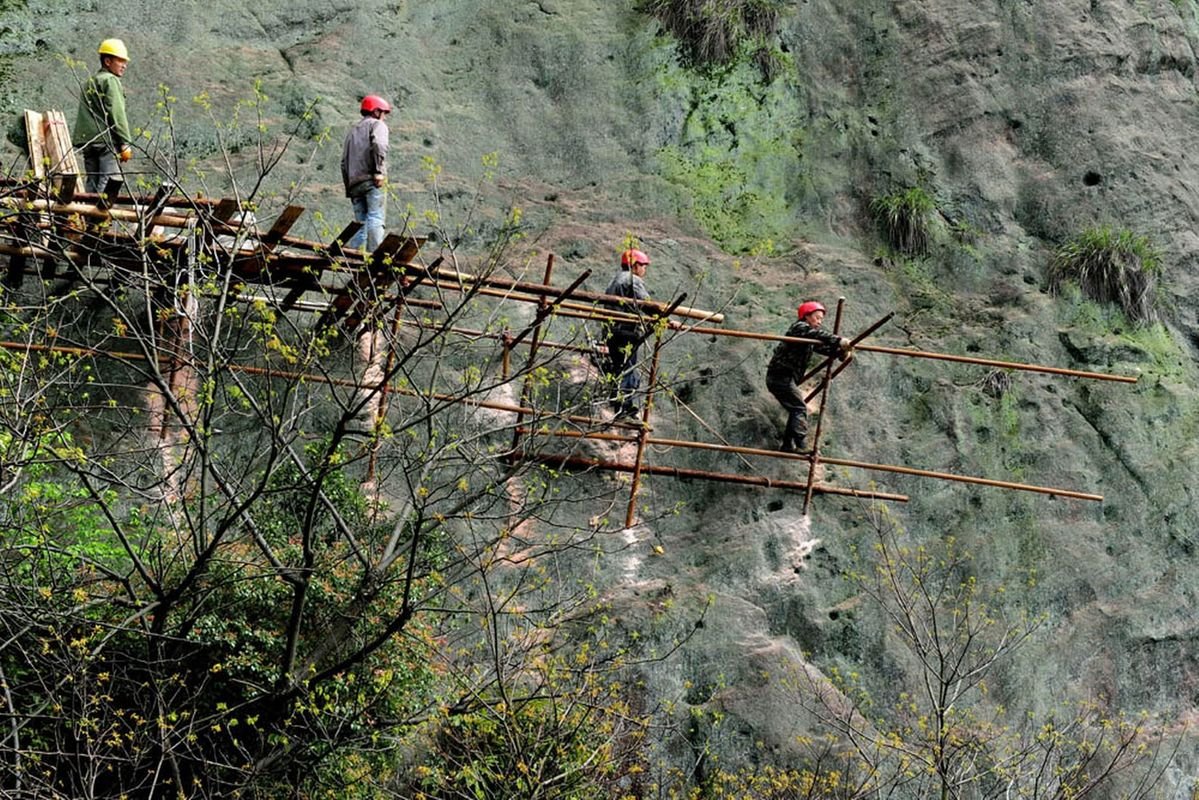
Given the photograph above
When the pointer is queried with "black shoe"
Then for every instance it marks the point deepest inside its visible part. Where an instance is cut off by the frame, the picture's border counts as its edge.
(627, 411)
(791, 446)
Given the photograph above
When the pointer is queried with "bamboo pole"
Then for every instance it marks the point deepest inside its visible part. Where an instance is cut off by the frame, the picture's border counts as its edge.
(543, 308)
(643, 434)
(828, 359)
(814, 464)
(840, 462)
(947, 476)
(579, 462)
(501, 335)
(652, 440)
(545, 289)
(990, 362)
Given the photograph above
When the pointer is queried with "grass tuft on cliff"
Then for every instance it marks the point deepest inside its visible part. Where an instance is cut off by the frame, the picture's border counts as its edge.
(711, 32)
(906, 219)
(1111, 266)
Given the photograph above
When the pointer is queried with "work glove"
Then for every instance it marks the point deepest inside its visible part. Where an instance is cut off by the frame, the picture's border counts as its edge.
(846, 348)
(125, 154)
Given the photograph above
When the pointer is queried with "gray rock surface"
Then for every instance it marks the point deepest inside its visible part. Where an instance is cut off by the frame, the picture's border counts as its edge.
(1027, 121)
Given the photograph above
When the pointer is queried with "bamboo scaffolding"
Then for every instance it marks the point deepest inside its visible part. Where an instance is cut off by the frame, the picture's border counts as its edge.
(260, 260)
(310, 377)
(659, 441)
(578, 419)
(828, 380)
(579, 462)
(990, 362)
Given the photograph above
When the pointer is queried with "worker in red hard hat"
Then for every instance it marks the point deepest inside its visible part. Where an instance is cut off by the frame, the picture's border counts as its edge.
(790, 362)
(623, 337)
(101, 127)
(364, 171)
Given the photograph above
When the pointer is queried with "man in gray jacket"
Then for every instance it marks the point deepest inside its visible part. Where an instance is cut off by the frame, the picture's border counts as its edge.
(364, 171)
(624, 337)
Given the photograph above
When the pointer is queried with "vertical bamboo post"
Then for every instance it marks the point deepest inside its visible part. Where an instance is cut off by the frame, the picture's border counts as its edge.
(643, 434)
(815, 462)
(526, 388)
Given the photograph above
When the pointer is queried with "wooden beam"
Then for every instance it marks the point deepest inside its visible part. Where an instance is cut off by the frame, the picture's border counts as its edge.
(37, 147)
(64, 166)
(579, 462)
(337, 246)
(282, 225)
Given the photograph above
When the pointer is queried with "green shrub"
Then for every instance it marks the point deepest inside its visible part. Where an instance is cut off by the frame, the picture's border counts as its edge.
(1111, 267)
(711, 32)
(906, 219)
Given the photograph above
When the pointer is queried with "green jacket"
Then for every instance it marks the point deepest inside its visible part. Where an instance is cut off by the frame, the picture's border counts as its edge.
(101, 115)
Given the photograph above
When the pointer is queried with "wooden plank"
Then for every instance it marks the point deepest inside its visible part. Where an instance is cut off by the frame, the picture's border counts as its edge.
(225, 209)
(363, 291)
(64, 166)
(158, 202)
(293, 297)
(37, 148)
(409, 251)
(281, 227)
(337, 246)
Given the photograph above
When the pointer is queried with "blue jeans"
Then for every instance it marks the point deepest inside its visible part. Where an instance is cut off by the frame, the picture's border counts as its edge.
(370, 208)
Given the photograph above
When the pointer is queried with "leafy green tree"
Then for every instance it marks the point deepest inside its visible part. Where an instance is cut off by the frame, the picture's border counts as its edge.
(241, 551)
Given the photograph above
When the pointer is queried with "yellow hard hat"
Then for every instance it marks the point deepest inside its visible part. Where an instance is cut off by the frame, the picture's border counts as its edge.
(113, 47)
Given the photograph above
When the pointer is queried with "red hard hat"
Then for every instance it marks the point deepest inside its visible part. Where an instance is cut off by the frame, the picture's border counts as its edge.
(809, 307)
(630, 257)
(373, 102)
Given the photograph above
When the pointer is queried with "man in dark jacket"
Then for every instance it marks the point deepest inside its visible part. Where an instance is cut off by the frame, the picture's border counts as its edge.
(790, 362)
(364, 171)
(101, 127)
(623, 338)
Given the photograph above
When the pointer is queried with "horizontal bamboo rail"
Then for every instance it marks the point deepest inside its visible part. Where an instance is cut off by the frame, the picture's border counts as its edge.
(541, 290)
(899, 351)
(841, 462)
(990, 362)
(309, 377)
(948, 476)
(502, 336)
(579, 462)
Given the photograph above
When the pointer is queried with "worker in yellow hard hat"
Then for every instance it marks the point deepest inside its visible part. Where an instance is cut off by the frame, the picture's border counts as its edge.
(101, 128)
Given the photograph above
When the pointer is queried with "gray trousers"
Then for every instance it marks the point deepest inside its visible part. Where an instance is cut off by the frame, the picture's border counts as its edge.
(99, 165)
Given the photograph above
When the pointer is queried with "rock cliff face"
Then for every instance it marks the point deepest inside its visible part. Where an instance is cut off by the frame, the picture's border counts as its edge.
(1027, 122)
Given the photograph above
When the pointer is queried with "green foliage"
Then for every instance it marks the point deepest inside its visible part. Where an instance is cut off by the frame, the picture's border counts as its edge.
(1111, 266)
(540, 748)
(712, 32)
(52, 530)
(723, 200)
(906, 219)
(734, 166)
